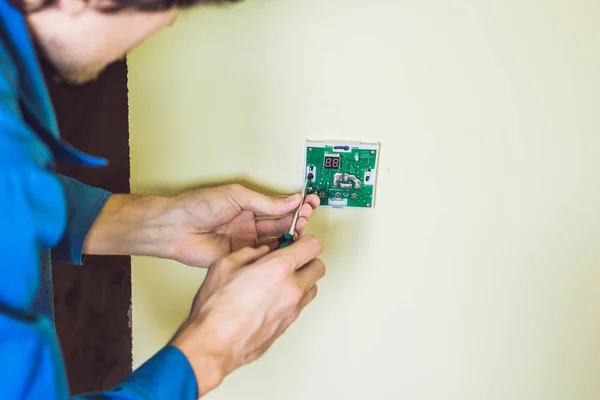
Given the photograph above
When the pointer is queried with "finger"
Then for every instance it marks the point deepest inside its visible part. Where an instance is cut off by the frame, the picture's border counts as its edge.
(267, 241)
(271, 242)
(279, 226)
(301, 225)
(263, 205)
(305, 213)
(308, 276)
(247, 256)
(274, 245)
(308, 297)
(313, 200)
(274, 227)
(265, 346)
(283, 326)
(297, 254)
(286, 323)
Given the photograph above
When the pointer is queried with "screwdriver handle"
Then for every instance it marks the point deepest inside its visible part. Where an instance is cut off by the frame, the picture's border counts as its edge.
(285, 240)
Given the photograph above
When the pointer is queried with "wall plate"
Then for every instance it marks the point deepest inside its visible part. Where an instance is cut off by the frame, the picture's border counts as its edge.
(342, 173)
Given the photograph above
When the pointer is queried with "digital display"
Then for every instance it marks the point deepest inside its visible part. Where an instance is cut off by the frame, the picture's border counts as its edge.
(332, 162)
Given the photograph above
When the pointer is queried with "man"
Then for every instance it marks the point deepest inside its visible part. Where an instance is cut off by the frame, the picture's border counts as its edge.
(251, 294)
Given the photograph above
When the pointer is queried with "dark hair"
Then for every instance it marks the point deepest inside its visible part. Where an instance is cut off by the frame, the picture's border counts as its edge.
(117, 5)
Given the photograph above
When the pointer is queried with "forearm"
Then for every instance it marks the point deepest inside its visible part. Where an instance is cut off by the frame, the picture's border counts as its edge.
(132, 225)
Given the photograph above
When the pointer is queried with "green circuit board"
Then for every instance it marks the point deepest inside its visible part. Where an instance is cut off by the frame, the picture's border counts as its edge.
(342, 174)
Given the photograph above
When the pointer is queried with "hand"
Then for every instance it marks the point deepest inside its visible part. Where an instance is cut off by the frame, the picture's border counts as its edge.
(246, 302)
(209, 224)
(195, 228)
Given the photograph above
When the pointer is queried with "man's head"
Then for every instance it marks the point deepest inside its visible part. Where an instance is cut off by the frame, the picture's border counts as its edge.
(79, 38)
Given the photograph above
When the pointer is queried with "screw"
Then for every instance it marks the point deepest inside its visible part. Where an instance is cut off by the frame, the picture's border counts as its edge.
(310, 149)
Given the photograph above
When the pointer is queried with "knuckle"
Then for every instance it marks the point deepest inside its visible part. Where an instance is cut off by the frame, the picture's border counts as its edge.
(286, 264)
(315, 243)
(277, 270)
(314, 292)
(234, 187)
(322, 270)
(316, 269)
(294, 295)
(290, 320)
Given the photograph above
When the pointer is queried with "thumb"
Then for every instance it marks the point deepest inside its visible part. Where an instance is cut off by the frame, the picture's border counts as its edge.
(263, 205)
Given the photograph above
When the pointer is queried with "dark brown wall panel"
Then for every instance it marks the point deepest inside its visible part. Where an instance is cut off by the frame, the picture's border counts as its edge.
(92, 302)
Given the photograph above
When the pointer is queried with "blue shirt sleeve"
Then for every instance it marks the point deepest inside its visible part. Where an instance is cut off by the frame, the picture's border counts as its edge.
(84, 203)
(177, 380)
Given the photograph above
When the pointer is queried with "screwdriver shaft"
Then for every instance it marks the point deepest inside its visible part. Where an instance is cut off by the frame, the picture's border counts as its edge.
(297, 214)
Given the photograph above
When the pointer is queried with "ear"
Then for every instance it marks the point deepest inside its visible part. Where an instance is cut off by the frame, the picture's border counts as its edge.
(73, 7)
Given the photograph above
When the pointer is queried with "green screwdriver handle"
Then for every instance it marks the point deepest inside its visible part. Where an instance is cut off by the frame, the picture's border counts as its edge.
(285, 240)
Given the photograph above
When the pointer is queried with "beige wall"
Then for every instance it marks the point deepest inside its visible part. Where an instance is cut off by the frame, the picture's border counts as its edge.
(478, 275)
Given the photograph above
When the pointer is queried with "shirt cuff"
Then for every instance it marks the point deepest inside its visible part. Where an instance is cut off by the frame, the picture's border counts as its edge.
(167, 375)
(84, 203)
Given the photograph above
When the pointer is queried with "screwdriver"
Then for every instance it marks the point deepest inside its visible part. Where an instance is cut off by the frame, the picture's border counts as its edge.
(288, 238)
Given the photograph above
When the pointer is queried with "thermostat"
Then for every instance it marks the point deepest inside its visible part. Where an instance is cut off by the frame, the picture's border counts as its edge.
(342, 174)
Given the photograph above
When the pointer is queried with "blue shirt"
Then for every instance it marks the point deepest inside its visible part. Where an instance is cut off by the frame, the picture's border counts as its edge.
(45, 217)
